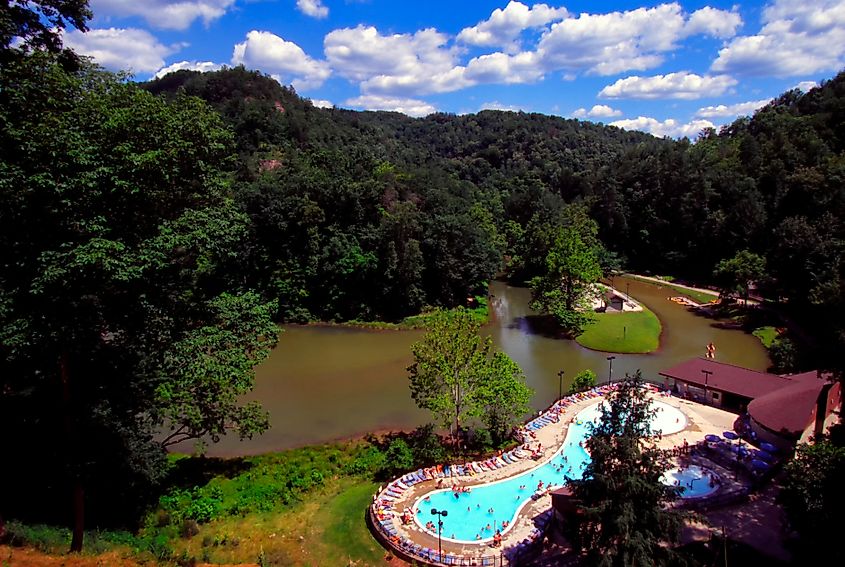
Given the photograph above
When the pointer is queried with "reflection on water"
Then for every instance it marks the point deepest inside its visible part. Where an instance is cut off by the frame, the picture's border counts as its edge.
(325, 383)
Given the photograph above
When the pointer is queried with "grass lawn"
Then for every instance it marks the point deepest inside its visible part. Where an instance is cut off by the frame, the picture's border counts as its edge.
(635, 332)
(327, 528)
(767, 335)
(697, 296)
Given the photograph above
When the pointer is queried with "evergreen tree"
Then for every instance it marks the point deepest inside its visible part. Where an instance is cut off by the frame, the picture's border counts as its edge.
(624, 518)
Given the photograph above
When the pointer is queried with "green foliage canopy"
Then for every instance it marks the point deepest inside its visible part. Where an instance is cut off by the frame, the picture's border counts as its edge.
(457, 376)
(624, 519)
(115, 317)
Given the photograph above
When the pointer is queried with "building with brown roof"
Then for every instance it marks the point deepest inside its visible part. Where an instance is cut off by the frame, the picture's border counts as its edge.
(783, 409)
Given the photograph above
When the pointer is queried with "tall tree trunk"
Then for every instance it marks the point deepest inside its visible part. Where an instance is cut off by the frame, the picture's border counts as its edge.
(70, 431)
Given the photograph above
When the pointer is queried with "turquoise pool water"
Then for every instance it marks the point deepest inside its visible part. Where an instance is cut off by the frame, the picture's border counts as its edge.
(470, 513)
(693, 480)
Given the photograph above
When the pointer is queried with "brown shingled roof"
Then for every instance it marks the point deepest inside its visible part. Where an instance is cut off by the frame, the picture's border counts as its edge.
(727, 377)
(789, 410)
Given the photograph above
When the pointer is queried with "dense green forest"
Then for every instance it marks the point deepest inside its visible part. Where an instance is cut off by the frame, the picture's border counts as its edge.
(157, 232)
(374, 214)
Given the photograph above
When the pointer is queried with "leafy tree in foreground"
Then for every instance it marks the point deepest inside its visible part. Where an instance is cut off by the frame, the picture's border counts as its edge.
(456, 378)
(624, 519)
(503, 397)
(738, 273)
(38, 23)
(115, 320)
(572, 266)
(449, 364)
(813, 496)
(584, 380)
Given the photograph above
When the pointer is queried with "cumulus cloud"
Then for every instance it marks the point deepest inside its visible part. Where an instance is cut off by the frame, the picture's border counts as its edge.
(120, 49)
(313, 8)
(409, 106)
(426, 62)
(283, 59)
(598, 111)
(669, 127)
(201, 66)
(805, 86)
(611, 43)
(797, 38)
(739, 109)
(682, 85)
(322, 103)
(713, 22)
(496, 105)
(504, 26)
(166, 14)
(397, 64)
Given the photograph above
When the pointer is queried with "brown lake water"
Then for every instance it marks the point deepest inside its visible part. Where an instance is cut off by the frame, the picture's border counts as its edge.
(325, 383)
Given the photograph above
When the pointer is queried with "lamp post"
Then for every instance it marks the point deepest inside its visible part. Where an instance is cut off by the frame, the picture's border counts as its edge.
(440, 515)
(610, 360)
(707, 374)
(560, 384)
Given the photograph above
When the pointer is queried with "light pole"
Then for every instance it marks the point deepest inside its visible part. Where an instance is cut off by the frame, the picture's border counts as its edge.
(707, 374)
(560, 385)
(440, 514)
(610, 360)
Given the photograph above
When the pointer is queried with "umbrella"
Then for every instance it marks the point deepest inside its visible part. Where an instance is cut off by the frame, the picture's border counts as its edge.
(762, 455)
(712, 438)
(739, 450)
(730, 435)
(758, 464)
(768, 447)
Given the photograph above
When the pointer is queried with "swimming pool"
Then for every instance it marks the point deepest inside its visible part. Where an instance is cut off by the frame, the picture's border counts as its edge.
(694, 481)
(470, 513)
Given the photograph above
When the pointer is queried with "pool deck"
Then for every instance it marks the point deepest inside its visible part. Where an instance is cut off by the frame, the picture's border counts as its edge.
(701, 420)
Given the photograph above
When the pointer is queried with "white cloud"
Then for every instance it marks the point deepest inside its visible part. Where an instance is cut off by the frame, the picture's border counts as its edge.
(713, 22)
(598, 111)
(797, 38)
(739, 109)
(504, 26)
(611, 43)
(313, 8)
(682, 85)
(496, 105)
(322, 103)
(167, 14)
(669, 127)
(201, 66)
(398, 64)
(502, 68)
(409, 106)
(805, 86)
(284, 59)
(120, 49)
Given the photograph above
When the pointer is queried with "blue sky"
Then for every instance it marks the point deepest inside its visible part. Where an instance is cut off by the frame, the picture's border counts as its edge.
(667, 68)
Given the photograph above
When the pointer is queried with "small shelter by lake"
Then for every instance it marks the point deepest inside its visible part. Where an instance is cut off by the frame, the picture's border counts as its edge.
(782, 409)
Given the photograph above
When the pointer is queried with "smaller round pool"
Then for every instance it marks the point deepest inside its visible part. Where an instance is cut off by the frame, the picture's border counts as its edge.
(693, 480)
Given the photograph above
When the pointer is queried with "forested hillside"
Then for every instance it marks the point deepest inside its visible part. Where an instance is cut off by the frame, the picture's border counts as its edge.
(374, 215)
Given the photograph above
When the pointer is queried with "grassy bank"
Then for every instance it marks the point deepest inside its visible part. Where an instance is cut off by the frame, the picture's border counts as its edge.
(697, 296)
(767, 335)
(633, 332)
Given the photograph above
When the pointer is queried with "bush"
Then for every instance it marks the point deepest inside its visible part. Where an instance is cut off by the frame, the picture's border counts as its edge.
(427, 446)
(584, 380)
(398, 458)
